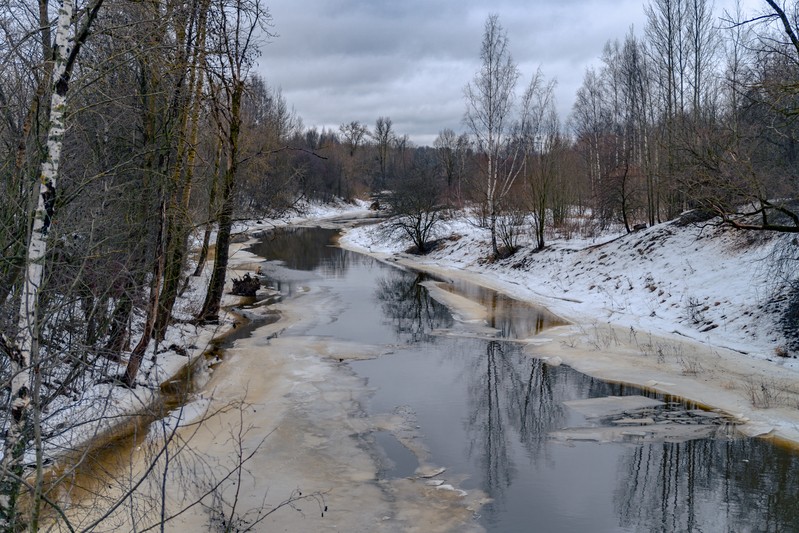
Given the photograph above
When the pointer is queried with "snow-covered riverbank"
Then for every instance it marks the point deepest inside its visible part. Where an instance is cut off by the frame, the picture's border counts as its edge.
(679, 308)
(283, 410)
(86, 422)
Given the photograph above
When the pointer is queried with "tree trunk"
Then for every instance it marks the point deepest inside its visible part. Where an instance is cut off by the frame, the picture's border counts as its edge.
(494, 247)
(213, 298)
(17, 184)
(25, 360)
(180, 223)
(203, 250)
(212, 216)
(119, 324)
(137, 355)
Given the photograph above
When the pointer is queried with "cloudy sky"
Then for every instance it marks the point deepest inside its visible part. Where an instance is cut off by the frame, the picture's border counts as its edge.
(342, 60)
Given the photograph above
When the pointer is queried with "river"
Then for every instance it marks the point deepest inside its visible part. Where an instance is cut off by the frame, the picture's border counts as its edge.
(502, 422)
(388, 400)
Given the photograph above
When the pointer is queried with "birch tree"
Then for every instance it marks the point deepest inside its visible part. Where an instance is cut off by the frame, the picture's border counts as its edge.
(24, 354)
(590, 121)
(25, 75)
(669, 50)
(637, 130)
(703, 45)
(490, 99)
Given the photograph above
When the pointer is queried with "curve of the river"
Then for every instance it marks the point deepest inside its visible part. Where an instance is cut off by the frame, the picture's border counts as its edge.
(388, 400)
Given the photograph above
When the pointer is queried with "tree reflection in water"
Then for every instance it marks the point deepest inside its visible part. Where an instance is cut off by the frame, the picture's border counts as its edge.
(412, 313)
(304, 249)
(486, 409)
(514, 401)
(486, 422)
(511, 397)
(709, 485)
(514, 319)
(699, 485)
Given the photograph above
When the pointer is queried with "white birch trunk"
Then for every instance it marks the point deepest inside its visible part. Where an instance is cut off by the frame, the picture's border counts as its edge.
(25, 359)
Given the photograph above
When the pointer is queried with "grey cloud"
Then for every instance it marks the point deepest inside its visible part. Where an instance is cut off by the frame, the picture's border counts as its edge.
(343, 60)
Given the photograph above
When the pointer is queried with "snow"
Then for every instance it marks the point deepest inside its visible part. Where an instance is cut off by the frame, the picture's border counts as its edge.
(307, 212)
(707, 284)
(622, 294)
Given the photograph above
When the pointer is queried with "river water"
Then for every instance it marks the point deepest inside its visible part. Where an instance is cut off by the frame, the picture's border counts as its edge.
(550, 448)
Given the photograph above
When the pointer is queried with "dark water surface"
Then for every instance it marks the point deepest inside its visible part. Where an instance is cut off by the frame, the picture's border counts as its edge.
(485, 410)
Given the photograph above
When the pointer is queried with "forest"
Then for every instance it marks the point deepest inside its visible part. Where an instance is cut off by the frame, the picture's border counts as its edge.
(136, 134)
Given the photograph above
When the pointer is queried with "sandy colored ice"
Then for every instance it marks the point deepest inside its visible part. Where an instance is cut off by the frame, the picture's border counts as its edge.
(291, 407)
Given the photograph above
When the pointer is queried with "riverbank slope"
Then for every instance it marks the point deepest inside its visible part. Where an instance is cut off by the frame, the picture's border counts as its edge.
(694, 311)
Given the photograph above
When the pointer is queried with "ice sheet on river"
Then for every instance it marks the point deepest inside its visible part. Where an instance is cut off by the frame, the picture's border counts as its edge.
(463, 309)
(661, 432)
(278, 270)
(611, 405)
(638, 419)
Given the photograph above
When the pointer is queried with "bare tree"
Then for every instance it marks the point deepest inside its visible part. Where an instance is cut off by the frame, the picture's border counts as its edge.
(383, 136)
(703, 44)
(416, 205)
(738, 69)
(543, 146)
(490, 100)
(446, 145)
(191, 59)
(452, 154)
(403, 152)
(781, 12)
(104, 133)
(238, 23)
(669, 50)
(590, 121)
(616, 122)
(27, 68)
(640, 146)
(745, 172)
(270, 176)
(353, 134)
